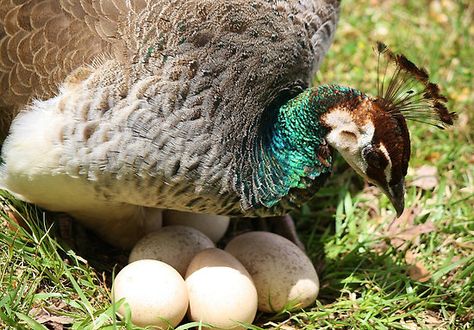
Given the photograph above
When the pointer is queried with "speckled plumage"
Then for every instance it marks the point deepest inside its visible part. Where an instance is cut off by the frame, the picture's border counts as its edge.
(151, 104)
(201, 52)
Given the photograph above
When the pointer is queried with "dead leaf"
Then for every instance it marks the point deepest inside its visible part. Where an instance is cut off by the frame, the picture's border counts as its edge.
(431, 318)
(15, 217)
(410, 234)
(403, 232)
(370, 199)
(55, 319)
(410, 257)
(391, 232)
(403, 229)
(470, 160)
(405, 220)
(425, 177)
(416, 269)
(433, 157)
(418, 272)
(287, 327)
(409, 325)
(51, 321)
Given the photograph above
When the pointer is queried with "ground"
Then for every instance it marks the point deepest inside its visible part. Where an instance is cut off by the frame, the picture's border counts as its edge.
(376, 273)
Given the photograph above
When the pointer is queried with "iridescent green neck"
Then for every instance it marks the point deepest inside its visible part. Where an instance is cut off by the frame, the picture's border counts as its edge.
(291, 154)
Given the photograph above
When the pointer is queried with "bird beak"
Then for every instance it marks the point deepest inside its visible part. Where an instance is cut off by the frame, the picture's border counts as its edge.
(396, 194)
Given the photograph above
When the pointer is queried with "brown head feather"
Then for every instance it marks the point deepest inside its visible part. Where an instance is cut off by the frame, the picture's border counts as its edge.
(405, 64)
(381, 47)
(434, 92)
(404, 90)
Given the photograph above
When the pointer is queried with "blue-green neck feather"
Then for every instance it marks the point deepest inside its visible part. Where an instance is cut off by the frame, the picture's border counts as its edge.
(289, 153)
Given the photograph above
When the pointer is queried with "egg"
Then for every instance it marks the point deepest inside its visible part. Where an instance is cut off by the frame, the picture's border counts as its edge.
(174, 245)
(155, 292)
(213, 226)
(221, 292)
(284, 276)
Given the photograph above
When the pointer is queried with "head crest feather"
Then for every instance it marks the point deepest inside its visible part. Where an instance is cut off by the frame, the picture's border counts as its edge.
(404, 89)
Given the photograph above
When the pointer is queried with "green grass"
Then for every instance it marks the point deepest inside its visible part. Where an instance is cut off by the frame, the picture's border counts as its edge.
(367, 280)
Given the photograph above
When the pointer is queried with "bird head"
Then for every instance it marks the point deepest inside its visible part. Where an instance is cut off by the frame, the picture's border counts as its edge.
(371, 132)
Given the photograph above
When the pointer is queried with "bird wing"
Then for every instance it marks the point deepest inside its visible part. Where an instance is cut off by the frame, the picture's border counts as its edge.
(320, 17)
(43, 41)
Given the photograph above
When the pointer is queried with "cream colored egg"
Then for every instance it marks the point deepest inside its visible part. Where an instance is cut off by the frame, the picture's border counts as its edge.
(154, 291)
(174, 245)
(283, 275)
(221, 292)
(213, 226)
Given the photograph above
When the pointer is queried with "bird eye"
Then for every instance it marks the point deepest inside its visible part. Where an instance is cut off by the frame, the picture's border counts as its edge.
(374, 158)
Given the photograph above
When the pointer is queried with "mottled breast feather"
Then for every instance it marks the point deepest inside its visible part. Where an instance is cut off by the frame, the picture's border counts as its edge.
(165, 94)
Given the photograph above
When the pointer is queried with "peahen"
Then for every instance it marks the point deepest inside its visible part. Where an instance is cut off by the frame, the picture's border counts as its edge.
(130, 107)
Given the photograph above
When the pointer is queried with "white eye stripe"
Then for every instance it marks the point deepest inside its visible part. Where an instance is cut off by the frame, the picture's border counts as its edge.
(388, 169)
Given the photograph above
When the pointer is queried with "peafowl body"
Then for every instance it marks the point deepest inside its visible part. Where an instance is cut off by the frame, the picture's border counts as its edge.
(129, 107)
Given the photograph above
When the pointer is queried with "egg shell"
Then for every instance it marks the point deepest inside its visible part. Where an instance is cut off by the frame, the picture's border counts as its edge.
(283, 275)
(213, 226)
(174, 245)
(155, 292)
(221, 292)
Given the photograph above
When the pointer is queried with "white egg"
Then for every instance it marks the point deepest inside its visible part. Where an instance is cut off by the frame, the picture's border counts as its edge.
(213, 226)
(283, 275)
(221, 292)
(154, 291)
(174, 245)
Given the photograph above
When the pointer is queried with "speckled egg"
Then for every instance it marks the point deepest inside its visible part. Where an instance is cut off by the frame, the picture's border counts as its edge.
(284, 276)
(154, 291)
(213, 226)
(174, 245)
(221, 292)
